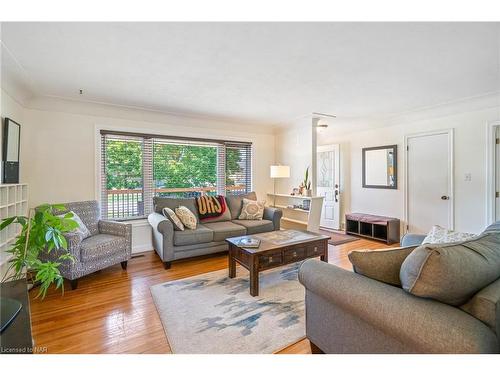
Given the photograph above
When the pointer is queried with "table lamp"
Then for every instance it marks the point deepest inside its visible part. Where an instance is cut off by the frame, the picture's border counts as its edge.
(279, 171)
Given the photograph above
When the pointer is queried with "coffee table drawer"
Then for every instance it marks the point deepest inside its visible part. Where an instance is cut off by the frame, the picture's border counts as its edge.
(315, 249)
(270, 260)
(295, 253)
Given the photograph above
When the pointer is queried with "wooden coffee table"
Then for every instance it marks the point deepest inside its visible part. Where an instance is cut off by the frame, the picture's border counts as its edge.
(276, 249)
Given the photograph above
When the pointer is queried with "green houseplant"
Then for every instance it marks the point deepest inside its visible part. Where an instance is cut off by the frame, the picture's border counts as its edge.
(42, 231)
(307, 183)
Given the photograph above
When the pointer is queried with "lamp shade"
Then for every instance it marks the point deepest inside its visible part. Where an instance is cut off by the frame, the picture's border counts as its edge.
(280, 171)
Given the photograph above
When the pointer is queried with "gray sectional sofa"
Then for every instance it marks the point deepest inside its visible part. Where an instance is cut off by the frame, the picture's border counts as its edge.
(208, 237)
(347, 312)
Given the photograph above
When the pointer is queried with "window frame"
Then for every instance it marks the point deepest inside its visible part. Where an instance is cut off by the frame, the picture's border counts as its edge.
(100, 194)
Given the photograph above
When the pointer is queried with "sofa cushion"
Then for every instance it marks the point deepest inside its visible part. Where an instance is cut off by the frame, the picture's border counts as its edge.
(256, 226)
(485, 306)
(235, 203)
(382, 265)
(225, 229)
(452, 273)
(201, 234)
(160, 202)
(101, 246)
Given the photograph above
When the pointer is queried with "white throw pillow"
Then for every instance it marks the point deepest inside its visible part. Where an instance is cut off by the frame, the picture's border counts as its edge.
(82, 229)
(186, 216)
(439, 234)
(252, 210)
(170, 214)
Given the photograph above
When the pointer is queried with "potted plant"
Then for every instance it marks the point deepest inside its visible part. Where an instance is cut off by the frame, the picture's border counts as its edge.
(307, 184)
(42, 231)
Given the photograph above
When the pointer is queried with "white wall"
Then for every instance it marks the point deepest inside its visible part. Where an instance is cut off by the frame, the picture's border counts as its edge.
(60, 140)
(470, 157)
(294, 147)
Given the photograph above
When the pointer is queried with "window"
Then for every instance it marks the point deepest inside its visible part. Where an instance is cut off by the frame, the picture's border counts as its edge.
(136, 167)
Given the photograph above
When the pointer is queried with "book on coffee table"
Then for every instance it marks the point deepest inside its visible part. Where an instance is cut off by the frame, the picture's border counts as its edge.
(251, 243)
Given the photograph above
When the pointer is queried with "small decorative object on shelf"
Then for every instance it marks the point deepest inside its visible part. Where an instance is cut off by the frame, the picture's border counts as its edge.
(306, 185)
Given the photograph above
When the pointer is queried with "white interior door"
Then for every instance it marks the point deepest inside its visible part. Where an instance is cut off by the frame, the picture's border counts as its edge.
(497, 174)
(328, 185)
(429, 181)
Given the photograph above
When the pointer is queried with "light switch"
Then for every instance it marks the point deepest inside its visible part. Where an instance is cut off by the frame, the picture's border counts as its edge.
(468, 177)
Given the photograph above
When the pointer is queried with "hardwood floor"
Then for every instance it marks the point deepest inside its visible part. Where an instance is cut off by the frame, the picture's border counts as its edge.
(112, 311)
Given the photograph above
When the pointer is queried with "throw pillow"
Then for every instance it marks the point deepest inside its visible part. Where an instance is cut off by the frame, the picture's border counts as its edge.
(439, 234)
(170, 215)
(235, 202)
(212, 209)
(252, 210)
(82, 229)
(382, 265)
(186, 216)
(452, 273)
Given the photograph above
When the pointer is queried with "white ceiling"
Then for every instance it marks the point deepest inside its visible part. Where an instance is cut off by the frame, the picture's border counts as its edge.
(255, 72)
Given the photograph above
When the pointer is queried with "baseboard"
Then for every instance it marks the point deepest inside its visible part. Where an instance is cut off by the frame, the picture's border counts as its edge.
(141, 248)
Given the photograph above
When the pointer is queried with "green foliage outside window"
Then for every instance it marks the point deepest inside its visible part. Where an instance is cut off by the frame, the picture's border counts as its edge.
(175, 166)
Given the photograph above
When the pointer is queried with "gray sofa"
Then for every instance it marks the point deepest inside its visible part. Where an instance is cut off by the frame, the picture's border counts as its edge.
(350, 313)
(208, 237)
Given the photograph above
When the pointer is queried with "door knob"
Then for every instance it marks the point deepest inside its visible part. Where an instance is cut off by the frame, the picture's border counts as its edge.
(445, 197)
(336, 195)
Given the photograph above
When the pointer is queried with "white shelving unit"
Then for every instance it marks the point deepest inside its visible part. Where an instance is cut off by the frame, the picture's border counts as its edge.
(297, 217)
(13, 202)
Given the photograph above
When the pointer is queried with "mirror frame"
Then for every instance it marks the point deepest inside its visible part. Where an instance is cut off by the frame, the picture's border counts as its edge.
(395, 152)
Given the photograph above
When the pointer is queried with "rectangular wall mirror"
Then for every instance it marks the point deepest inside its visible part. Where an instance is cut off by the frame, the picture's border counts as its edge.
(380, 167)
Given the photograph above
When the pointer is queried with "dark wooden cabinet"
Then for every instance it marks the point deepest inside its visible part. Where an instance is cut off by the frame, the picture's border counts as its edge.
(380, 228)
(16, 338)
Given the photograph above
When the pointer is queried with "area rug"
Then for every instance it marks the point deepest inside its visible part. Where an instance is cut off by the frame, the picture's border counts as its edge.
(212, 313)
(337, 238)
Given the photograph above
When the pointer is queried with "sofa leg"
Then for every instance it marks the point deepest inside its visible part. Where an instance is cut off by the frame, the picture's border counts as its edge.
(124, 265)
(74, 284)
(315, 349)
(167, 265)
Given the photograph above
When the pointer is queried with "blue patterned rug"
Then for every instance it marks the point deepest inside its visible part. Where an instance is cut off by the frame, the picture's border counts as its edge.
(212, 313)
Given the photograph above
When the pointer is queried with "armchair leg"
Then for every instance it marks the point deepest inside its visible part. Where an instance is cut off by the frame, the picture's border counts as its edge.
(124, 265)
(167, 265)
(74, 284)
(315, 349)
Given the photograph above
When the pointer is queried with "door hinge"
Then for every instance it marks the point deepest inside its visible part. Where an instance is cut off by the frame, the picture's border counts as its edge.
(497, 194)
(497, 141)
(407, 148)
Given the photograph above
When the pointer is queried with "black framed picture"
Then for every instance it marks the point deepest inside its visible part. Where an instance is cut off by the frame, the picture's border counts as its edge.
(10, 151)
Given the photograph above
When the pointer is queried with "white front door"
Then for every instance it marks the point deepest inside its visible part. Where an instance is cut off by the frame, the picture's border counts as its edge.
(429, 179)
(328, 180)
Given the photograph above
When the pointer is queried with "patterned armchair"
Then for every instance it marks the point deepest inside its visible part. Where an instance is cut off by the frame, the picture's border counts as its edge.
(110, 243)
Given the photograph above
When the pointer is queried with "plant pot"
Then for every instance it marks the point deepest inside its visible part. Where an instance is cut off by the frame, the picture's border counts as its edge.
(309, 192)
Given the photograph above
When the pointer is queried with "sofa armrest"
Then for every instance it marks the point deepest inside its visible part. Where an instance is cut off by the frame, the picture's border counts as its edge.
(118, 229)
(427, 326)
(410, 239)
(163, 236)
(273, 214)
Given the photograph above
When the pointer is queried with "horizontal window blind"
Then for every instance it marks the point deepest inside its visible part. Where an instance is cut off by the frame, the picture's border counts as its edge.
(184, 169)
(238, 168)
(122, 184)
(136, 167)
